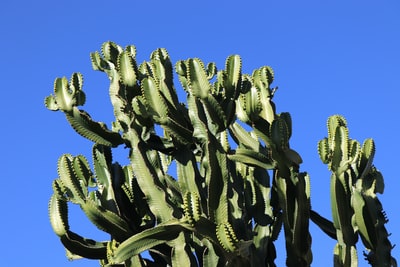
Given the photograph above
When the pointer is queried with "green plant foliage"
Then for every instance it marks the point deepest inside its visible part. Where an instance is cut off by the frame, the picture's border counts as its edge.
(229, 200)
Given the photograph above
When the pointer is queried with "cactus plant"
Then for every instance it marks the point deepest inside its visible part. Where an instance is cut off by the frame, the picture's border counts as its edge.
(356, 210)
(233, 188)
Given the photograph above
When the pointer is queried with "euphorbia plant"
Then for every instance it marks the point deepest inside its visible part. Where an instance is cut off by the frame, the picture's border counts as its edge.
(237, 180)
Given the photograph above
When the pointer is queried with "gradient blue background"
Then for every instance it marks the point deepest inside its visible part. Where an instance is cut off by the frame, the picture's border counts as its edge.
(329, 57)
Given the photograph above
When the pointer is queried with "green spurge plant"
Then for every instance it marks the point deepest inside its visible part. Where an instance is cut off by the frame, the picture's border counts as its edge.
(355, 208)
(237, 179)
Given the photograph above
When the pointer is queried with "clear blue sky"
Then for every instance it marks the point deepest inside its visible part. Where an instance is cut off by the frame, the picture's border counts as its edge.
(329, 57)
